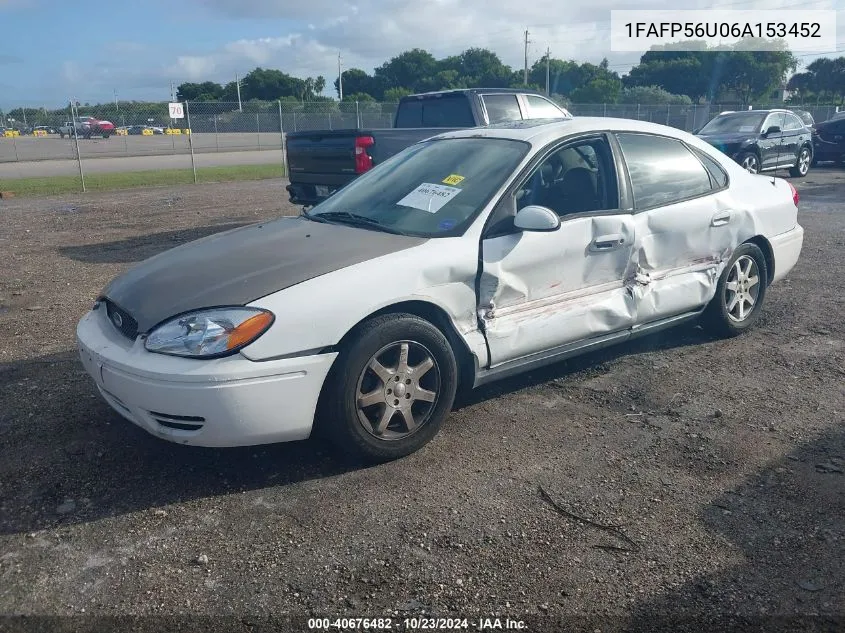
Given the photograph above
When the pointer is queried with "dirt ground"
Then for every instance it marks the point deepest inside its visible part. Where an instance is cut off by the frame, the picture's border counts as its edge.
(721, 461)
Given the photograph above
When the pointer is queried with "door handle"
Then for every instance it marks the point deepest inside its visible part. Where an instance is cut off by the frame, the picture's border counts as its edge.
(721, 219)
(607, 242)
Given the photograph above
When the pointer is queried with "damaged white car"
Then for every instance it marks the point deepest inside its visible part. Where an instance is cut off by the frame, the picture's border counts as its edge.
(465, 258)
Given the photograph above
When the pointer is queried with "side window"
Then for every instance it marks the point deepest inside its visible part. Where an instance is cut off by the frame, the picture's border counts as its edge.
(718, 175)
(539, 108)
(663, 171)
(502, 108)
(792, 122)
(578, 178)
(772, 120)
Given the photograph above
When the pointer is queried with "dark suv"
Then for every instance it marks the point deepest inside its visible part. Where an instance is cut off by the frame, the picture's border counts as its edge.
(762, 140)
(829, 140)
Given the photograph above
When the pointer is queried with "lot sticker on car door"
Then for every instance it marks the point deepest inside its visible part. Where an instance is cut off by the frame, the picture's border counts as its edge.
(429, 197)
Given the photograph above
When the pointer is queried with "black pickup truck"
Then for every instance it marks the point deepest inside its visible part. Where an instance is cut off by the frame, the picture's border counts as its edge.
(321, 162)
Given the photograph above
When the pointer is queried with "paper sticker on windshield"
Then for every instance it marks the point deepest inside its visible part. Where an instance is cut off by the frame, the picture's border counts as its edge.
(429, 197)
(452, 179)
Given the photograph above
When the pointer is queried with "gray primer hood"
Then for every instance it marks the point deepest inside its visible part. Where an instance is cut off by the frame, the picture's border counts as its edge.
(239, 266)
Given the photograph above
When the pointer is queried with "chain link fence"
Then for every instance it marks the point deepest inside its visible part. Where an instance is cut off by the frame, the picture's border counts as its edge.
(140, 130)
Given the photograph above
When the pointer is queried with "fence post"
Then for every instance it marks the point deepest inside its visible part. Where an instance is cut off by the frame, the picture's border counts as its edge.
(76, 140)
(282, 135)
(605, 109)
(667, 113)
(638, 112)
(258, 129)
(125, 136)
(191, 141)
(294, 120)
(330, 120)
(357, 114)
(216, 138)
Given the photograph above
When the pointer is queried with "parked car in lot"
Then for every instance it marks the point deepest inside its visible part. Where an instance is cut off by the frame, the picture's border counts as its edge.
(87, 127)
(322, 161)
(762, 140)
(463, 259)
(829, 140)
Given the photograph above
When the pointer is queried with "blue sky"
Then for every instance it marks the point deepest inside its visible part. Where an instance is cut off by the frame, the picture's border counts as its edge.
(51, 51)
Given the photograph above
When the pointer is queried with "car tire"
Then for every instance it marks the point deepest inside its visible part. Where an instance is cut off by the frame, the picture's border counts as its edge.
(750, 162)
(392, 422)
(727, 316)
(802, 166)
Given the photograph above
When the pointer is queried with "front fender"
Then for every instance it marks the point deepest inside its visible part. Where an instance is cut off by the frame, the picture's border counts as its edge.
(317, 313)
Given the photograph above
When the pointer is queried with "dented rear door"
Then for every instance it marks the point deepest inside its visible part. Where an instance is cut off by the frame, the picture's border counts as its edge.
(686, 225)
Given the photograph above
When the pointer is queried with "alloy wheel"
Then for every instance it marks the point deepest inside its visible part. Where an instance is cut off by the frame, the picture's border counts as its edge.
(742, 289)
(397, 390)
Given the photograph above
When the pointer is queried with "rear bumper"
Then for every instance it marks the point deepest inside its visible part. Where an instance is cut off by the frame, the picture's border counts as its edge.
(310, 189)
(786, 249)
(229, 401)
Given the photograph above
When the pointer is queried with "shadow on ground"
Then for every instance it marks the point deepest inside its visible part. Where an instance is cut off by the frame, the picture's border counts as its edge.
(136, 249)
(787, 524)
(66, 457)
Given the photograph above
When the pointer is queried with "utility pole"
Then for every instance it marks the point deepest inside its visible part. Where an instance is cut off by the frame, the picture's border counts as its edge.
(525, 79)
(339, 77)
(238, 86)
(117, 107)
(172, 97)
(548, 70)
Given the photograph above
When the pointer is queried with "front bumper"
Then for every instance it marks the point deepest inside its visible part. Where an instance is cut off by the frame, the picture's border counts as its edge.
(228, 401)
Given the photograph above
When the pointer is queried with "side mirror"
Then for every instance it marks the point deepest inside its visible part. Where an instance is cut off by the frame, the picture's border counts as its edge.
(775, 129)
(536, 218)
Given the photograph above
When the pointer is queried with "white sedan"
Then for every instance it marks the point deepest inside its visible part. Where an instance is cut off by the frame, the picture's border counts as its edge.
(466, 258)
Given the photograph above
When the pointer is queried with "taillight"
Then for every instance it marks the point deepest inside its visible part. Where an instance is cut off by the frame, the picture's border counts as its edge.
(795, 196)
(363, 161)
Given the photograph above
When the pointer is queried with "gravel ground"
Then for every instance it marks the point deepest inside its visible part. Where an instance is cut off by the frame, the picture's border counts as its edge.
(721, 461)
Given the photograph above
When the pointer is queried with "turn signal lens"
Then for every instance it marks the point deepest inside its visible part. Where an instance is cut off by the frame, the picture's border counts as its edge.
(249, 330)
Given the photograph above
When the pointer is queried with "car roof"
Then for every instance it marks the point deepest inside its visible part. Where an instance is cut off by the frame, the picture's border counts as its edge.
(542, 131)
(478, 91)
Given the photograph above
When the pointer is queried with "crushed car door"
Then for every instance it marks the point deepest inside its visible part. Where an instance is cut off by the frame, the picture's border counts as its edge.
(541, 290)
(687, 224)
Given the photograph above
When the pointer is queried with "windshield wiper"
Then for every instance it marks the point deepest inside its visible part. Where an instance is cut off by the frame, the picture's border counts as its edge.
(354, 219)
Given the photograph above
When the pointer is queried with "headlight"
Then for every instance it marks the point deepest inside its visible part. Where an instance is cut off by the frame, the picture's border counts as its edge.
(209, 333)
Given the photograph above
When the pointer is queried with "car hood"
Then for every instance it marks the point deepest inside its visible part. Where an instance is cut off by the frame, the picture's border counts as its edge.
(239, 266)
(726, 139)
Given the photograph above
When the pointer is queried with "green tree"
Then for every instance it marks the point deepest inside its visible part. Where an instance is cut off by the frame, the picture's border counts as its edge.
(393, 95)
(205, 91)
(824, 79)
(652, 95)
(474, 68)
(599, 89)
(357, 81)
(412, 69)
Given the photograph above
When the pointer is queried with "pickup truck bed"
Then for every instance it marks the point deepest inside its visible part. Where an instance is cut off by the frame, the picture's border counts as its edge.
(321, 162)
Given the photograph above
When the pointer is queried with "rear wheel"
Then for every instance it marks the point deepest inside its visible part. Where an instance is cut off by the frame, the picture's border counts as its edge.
(390, 390)
(740, 293)
(805, 157)
(749, 162)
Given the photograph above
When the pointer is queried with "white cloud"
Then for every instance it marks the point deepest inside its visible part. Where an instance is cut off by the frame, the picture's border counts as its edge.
(372, 31)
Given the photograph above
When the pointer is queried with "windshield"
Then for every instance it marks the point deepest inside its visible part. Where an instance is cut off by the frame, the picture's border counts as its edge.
(432, 189)
(741, 122)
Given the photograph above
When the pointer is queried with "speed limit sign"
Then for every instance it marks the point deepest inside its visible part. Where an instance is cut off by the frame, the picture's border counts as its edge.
(177, 111)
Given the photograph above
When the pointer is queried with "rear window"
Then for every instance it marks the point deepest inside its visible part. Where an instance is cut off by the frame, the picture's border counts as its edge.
(435, 112)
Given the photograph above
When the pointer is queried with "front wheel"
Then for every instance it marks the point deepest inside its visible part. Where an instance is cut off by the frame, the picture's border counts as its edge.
(740, 293)
(390, 390)
(750, 162)
(801, 167)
